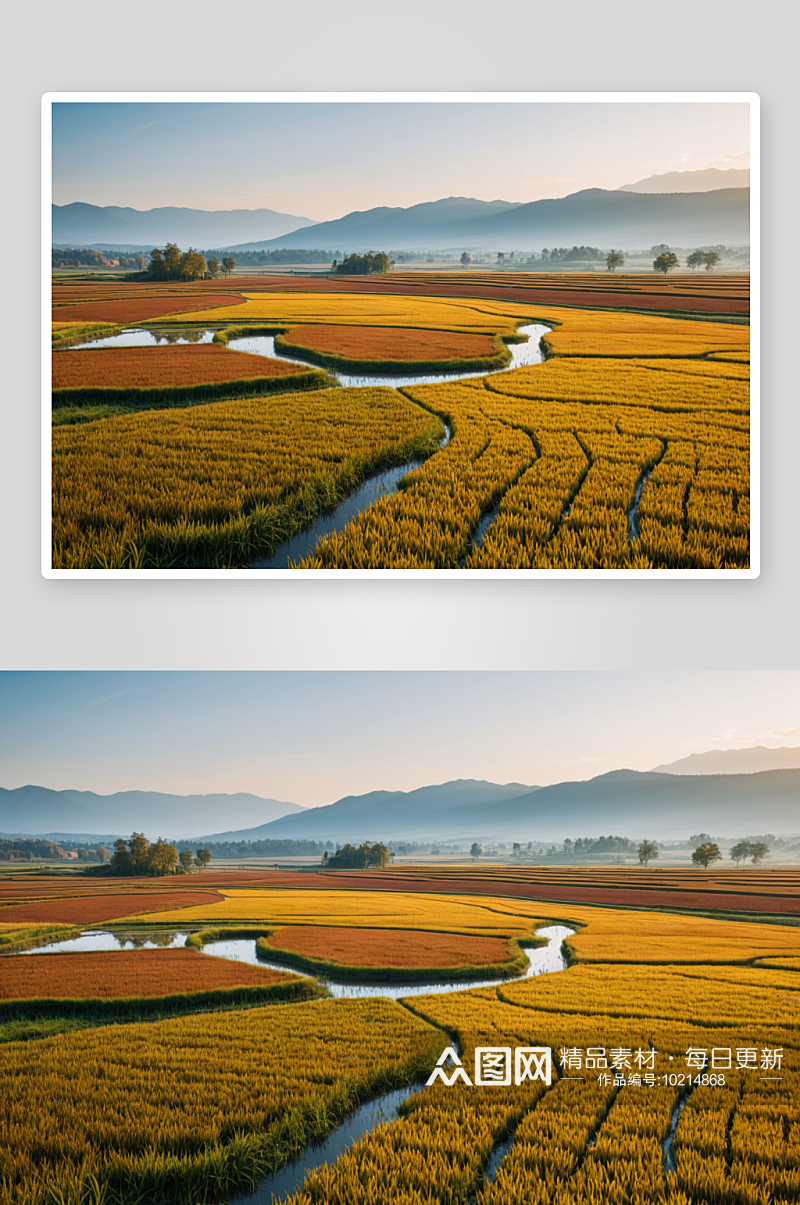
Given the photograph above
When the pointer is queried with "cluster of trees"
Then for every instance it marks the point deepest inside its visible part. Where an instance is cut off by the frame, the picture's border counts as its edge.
(252, 259)
(571, 253)
(357, 857)
(80, 257)
(710, 852)
(667, 260)
(363, 265)
(138, 856)
(170, 263)
(261, 849)
(17, 849)
(598, 845)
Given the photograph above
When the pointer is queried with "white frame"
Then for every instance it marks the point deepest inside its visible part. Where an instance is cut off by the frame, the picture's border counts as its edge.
(750, 98)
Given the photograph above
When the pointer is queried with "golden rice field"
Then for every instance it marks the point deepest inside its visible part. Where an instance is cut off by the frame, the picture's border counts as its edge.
(628, 448)
(217, 483)
(197, 1108)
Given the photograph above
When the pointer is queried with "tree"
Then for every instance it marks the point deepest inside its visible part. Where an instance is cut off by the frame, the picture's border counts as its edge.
(500, 257)
(647, 851)
(172, 261)
(141, 262)
(102, 853)
(758, 851)
(694, 261)
(213, 266)
(665, 262)
(186, 860)
(741, 851)
(466, 258)
(475, 850)
(705, 854)
(364, 265)
(203, 857)
(516, 849)
(614, 260)
(192, 265)
(139, 848)
(710, 259)
(162, 858)
(228, 264)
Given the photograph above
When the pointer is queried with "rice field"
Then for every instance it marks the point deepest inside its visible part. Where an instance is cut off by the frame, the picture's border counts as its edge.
(199, 1107)
(168, 373)
(219, 483)
(388, 947)
(627, 449)
(126, 974)
(98, 907)
(127, 310)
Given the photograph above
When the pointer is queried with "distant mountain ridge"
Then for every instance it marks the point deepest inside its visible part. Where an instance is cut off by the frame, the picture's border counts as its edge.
(594, 216)
(706, 180)
(37, 810)
(734, 761)
(77, 224)
(625, 802)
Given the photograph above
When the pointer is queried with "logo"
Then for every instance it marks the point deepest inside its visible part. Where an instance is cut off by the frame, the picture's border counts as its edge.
(493, 1066)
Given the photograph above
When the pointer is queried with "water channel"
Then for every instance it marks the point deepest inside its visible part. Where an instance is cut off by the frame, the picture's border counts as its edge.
(287, 1180)
(380, 484)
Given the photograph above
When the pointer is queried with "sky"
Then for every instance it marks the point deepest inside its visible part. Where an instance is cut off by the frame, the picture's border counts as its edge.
(320, 161)
(312, 737)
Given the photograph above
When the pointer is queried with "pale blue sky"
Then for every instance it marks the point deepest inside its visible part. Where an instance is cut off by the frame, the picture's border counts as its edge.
(321, 161)
(311, 737)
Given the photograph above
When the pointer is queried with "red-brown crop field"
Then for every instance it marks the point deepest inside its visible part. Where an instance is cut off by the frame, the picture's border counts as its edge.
(388, 947)
(139, 309)
(125, 974)
(95, 909)
(161, 367)
(390, 343)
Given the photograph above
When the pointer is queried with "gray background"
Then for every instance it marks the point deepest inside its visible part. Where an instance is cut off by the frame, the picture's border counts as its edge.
(437, 46)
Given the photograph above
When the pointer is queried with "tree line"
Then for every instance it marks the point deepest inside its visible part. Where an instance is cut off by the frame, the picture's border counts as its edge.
(138, 856)
(170, 263)
(363, 265)
(357, 857)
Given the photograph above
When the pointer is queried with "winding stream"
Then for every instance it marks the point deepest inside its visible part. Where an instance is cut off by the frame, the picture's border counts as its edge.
(287, 1180)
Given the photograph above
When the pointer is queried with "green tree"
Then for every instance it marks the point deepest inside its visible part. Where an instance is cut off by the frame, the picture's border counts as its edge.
(193, 265)
(466, 258)
(203, 857)
(186, 860)
(157, 267)
(614, 260)
(706, 853)
(141, 262)
(694, 261)
(516, 849)
(102, 853)
(172, 261)
(741, 851)
(500, 257)
(140, 853)
(228, 264)
(162, 858)
(758, 851)
(475, 850)
(648, 850)
(710, 259)
(665, 262)
(121, 861)
(214, 266)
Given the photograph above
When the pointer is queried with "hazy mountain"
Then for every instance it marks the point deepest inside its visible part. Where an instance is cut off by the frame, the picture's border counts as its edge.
(400, 814)
(708, 179)
(595, 216)
(38, 810)
(624, 802)
(80, 224)
(734, 761)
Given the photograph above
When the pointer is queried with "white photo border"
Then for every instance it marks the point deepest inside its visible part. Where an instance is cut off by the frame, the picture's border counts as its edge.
(750, 98)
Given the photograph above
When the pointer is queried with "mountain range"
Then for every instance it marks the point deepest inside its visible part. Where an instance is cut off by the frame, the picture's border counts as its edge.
(734, 761)
(33, 811)
(702, 181)
(625, 802)
(81, 224)
(595, 217)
